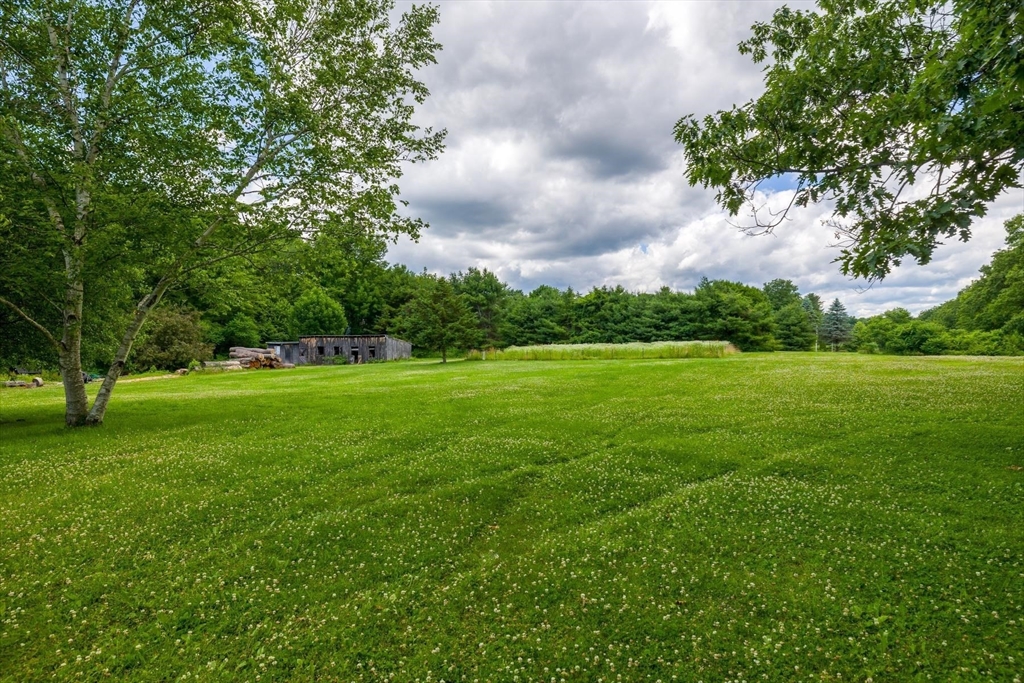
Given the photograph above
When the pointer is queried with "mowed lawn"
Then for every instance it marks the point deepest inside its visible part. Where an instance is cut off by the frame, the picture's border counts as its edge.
(759, 517)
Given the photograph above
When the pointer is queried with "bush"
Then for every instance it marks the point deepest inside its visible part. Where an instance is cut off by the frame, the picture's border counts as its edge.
(172, 337)
(917, 337)
(982, 343)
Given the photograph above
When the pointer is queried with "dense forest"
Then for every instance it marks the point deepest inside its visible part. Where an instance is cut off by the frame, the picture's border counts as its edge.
(339, 282)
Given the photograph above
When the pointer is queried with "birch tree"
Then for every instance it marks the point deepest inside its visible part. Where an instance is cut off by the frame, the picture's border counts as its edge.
(144, 140)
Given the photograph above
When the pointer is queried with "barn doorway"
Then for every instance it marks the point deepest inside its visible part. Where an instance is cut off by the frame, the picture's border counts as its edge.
(355, 355)
(372, 352)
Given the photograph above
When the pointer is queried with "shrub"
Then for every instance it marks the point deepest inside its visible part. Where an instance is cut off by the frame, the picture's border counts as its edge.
(173, 337)
(917, 337)
(982, 343)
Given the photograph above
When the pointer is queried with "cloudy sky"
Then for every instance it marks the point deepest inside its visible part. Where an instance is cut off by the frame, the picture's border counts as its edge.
(561, 169)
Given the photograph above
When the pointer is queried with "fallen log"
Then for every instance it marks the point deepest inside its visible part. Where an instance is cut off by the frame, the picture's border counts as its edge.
(246, 352)
(223, 364)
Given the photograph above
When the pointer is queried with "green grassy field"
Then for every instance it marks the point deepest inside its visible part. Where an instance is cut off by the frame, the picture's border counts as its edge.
(757, 517)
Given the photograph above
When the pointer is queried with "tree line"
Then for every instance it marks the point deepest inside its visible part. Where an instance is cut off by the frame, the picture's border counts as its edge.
(339, 282)
(986, 317)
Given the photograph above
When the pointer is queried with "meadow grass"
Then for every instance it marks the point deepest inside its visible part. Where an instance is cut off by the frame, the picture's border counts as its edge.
(758, 517)
(632, 351)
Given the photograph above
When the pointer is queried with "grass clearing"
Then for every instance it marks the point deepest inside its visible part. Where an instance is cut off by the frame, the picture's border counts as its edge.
(756, 517)
(631, 351)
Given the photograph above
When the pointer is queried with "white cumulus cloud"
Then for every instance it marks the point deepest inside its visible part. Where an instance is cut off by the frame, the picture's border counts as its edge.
(561, 169)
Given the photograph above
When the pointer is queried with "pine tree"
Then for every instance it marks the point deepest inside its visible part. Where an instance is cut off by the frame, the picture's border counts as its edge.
(793, 329)
(438, 318)
(836, 324)
(815, 314)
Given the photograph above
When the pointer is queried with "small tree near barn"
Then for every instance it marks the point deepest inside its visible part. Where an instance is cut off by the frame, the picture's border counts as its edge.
(438, 318)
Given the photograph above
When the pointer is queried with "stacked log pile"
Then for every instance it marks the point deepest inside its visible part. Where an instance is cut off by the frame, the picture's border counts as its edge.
(243, 358)
(255, 358)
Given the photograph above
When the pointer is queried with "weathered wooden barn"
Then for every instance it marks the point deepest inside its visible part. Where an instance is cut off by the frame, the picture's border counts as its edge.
(351, 348)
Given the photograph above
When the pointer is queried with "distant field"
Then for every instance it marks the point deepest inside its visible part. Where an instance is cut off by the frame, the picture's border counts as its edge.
(634, 351)
(756, 517)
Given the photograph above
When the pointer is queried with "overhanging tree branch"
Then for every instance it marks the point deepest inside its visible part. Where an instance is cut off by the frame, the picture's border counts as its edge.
(31, 321)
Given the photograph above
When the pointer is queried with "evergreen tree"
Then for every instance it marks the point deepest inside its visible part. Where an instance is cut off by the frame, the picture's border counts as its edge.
(613, 316)
(815, 314)
(541, 317)
(672, 314)
(733, 312)
(438, 318)
(793, 329)
(485, 295)
(836, 324)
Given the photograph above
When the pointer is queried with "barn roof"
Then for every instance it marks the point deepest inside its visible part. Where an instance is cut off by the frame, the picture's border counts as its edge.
(344, 336)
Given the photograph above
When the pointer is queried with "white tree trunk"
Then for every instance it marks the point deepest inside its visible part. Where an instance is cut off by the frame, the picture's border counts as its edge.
(76, 403)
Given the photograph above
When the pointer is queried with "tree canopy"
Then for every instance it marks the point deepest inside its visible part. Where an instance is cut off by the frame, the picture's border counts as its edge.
(908, 116)
(317, 313)
(995, 301)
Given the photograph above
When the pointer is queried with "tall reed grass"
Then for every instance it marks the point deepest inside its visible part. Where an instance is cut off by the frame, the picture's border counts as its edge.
(687, 349)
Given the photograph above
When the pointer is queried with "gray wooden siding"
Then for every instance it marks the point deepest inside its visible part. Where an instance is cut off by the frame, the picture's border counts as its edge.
(286, 351)
(330, 349)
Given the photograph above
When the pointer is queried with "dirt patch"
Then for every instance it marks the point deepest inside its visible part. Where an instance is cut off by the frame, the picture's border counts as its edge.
(145, 379)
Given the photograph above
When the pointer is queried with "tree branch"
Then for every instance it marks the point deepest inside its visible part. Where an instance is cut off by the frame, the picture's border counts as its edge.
(251, 248)
(32, 322)
(114, 73)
